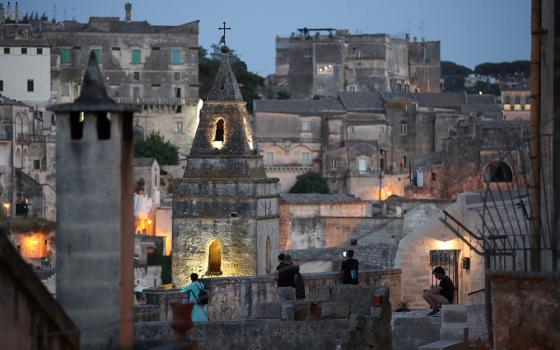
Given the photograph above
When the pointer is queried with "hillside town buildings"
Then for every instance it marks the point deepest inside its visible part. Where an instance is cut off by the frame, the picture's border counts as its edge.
(325, 61)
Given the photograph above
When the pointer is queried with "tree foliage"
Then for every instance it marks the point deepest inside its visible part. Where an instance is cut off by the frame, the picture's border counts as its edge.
(449, 68)
(504, 68)
(155, 146)
(250, 83)
(310, 182)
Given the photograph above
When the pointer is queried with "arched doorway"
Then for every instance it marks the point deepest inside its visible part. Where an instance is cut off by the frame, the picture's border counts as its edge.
(268, 263)
(214, 258)
(498, 172)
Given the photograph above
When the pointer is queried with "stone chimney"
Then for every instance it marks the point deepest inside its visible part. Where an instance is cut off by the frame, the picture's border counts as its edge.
(2, 18)
(17, 12)
(128, 11)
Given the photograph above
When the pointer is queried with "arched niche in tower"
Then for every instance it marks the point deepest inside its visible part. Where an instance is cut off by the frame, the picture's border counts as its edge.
(218, 137)
(214, 258)
(268, 262)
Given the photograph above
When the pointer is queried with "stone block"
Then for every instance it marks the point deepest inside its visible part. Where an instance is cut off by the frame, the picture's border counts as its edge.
(287, 311)
(454, 331)
(301, 310)
(266, 311)
(454, 313)
(335, 309)
(445, 345)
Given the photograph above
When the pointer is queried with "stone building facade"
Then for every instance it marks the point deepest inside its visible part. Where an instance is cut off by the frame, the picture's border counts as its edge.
(153, 67)
(367, 144)
(323, 62)
(225, 208)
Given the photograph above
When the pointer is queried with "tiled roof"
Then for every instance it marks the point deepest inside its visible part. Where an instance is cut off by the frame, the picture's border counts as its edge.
(440, 99)
(362, 100)
(6, 101)
(314, 198)
(324, 105)
(144, 161)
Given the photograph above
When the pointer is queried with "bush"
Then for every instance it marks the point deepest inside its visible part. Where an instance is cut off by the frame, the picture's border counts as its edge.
(154, 146)
(310, 182)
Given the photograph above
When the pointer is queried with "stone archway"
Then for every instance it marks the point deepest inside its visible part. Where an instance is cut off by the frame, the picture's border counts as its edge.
(498, 172)
(214, 258)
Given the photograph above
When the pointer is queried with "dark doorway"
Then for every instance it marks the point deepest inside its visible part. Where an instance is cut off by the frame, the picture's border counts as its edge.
(449, 260)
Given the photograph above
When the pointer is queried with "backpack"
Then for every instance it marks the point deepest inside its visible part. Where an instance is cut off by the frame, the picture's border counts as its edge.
(202, 296)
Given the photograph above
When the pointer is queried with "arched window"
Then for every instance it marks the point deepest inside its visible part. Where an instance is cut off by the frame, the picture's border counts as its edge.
(268, 263)
(219, 131)
(498, 172)
(138, 133)
(214, 258)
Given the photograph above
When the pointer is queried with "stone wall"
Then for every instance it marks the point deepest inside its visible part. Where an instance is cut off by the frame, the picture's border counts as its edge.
(525, 311)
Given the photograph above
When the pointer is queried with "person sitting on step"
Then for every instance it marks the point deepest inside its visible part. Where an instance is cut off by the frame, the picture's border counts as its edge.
(439, 295)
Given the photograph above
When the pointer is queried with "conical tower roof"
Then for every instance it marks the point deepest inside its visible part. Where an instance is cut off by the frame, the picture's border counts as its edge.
(225, 87)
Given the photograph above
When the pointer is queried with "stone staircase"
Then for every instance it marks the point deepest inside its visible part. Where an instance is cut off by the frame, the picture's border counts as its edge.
(454, 331)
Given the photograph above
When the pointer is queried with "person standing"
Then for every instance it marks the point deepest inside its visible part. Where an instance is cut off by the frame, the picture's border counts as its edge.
(285, 276)
(349, 269)
(195, 288)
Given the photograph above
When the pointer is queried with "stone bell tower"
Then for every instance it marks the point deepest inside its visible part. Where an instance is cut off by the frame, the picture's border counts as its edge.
(95, 220)
(225, 209)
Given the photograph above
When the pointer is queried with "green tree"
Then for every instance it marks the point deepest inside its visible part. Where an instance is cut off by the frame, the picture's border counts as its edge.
(154, 146)
(250, 83)
(310, 182)
(454, 83)
(449, 68)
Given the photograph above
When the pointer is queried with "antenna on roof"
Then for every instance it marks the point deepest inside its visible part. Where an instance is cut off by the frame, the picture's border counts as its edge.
(63, 11)
(54, 11)
(421, 29)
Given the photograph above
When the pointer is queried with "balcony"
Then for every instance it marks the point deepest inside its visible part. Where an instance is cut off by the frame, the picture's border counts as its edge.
(22, 138)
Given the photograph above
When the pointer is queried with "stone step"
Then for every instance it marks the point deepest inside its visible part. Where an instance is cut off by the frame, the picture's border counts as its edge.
(454, 313)
(445, 345)
(454, 331)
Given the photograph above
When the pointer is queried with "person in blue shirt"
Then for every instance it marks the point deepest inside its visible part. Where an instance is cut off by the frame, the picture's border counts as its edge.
(200, 312)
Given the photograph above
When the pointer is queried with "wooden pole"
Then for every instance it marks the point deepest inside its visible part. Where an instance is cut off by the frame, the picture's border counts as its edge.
(535, 142)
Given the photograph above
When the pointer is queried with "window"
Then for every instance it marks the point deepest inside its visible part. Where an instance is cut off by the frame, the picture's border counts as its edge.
(350, 129)
(24, 50)
(357, 53)
(1, 85)
(351, 88)
(434, 176)
(305, 158)
(175, 56)
(178, 93)
(135, 75)
(220, 130)
(305, 125)
(136, 92)
(381, 130)
(404, 128)
(399, 87)
(179, 127)
(333, 163)
(97, 53)
(39, 51)
(321, 87)
(307, 52)
(65, 56)
(36, 164)
(269, 158)
(406, 88)
(157, 85)
(136, 56)
(362, 166)
(6, 51)
(30, 85)
(177, 76)
(325, 69)
(65, 90)
(498, 172)
(214, 258)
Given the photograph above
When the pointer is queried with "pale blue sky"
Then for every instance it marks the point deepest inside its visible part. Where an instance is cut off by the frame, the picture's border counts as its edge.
(470, 31)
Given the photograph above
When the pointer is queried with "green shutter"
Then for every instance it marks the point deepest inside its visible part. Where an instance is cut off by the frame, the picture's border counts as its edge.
(65, 56)
(175, 56)
(136, 56)
(97, 53)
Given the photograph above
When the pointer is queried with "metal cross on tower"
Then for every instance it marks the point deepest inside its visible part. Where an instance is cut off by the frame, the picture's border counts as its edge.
(223, 39)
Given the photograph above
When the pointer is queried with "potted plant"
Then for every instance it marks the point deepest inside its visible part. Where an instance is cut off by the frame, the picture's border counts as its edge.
(182, 319)
(403, 307)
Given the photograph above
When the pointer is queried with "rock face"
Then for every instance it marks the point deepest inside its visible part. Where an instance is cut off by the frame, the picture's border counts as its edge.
(225, 209)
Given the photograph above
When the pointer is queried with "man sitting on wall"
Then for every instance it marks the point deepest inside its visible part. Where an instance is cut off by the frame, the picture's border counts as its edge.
(439, 295)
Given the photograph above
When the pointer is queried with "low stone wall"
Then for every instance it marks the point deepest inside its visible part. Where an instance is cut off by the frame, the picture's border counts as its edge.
(235, 298)
(525, 311)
